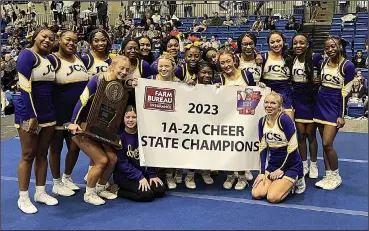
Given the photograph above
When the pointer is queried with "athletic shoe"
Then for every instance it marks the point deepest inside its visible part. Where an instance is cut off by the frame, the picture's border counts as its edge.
(67, 181)
(206, 177)
(178, 176)
(170, 182)
(249, 175)
(300, 186)
(313, 171)
(93, 198)
(241, 183)
(45, 198)
(62, 190)
(26, 205)
(334, 182)
(190, 180)
(322, 182)
(306, 167)
(228, 184)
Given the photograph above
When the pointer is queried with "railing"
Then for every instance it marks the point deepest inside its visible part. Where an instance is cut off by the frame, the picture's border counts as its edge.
(222, 7)
(353, 6)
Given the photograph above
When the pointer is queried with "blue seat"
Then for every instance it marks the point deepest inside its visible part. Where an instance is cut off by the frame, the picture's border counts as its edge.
(361, 26)
(264, 33)
(234, 28)
(261, 40)
(349, 54)
(289, 33)
(355, 109)
(362, 32)
(335, 32)
(227, 34)
(362, 20)
(259, 47)
(212, 29)
(359, 46)
(336, 21)
(237, 34)
(348, 31)
(336, 26)
(364, 73)
(244, 28)
(222, 28)
(280, 27)
(360, 39)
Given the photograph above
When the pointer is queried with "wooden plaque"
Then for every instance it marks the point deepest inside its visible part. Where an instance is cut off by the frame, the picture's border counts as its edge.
(106, 113)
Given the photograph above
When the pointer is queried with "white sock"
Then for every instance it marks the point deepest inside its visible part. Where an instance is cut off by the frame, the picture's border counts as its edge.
(312, 162)
(57, 181)
(100, 187)
(23, 194)
(335, 172)
(328, 172)
(40, 189)
(304, 163)
(66, 176)
(90, 190)
(89, 167)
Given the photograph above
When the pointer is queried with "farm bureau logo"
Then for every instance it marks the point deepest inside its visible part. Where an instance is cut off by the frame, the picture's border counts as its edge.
(247, 101)
(162, 99)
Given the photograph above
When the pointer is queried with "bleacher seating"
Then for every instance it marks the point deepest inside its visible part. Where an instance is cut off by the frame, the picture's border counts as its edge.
(355, 109)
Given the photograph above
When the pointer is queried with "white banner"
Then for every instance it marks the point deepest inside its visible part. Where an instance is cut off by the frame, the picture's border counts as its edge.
(198, 127)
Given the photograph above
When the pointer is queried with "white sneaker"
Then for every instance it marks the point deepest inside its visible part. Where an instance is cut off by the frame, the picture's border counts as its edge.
(26, 205)
(45, 198)
(206, 177)
(93, 198)
(170, 182)
(107, 195)
(241, 183)
(228, 184)
(190, 180)
(306, 167)
(67, 181)
(323, 181)
(333, 183)
(178, 176)
(62, 190)
(313, 171)
(249, 175)
(300, 186)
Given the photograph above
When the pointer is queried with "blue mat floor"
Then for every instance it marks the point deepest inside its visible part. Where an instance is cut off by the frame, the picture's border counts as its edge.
(207, 207)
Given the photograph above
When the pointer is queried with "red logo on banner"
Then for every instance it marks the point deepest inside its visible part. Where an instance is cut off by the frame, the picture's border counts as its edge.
(162, 99)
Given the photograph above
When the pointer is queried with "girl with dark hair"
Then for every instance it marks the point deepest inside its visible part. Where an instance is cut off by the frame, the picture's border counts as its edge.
(103, 156)
(98, 59)
(211, 56)
(188, 70)
(276, 70)
(135, 182)
(247, 58)
(170, 45)
(35, 118)
(304, 99)
(71, 79)
(145, 44)
(139, 68)
(337, 75)
(236, 77)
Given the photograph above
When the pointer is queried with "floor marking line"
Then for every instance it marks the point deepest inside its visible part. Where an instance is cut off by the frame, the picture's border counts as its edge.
(347, 160)
(264, 203)
(238, 200)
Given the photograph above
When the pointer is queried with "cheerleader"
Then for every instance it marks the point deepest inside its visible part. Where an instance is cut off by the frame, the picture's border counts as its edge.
(135, 182)
(277, 135)
(169, 45)
(211, 56)
(145, 45)
(188, 70)
(35, 117)
(233, 76)
(103, 156)
(139, 68)
(247, 58)
(166, 66)
(71, 79)
(303, 98)
(98, 59)
(276, 72)
(337, 75)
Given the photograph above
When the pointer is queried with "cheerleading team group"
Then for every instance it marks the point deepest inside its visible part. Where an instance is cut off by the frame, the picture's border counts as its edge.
(58, 86)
